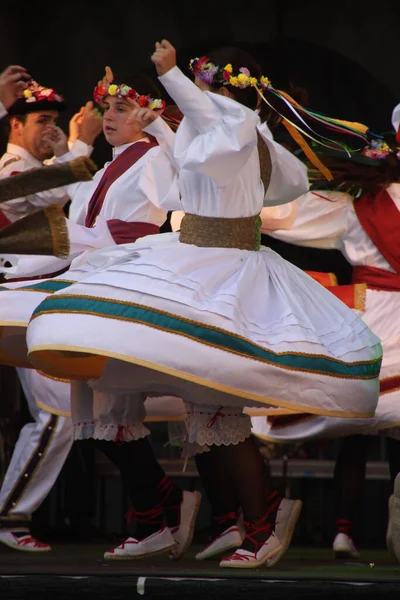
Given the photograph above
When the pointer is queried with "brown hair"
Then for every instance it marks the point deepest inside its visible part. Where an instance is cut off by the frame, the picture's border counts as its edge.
(366, 175)
(7, 123)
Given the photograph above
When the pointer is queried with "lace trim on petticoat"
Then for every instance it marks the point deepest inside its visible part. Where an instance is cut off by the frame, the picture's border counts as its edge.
(84, 430)
(222, 427)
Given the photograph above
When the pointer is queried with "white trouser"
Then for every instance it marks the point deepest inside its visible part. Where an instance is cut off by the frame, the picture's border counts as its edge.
(38, 457)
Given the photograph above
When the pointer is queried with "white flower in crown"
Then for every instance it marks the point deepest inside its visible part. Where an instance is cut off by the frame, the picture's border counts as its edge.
(31, 99)
(156, 104)
(124, 89)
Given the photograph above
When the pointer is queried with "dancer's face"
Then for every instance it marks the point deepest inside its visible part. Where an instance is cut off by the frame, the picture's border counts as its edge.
(119, 126)
(30, 133)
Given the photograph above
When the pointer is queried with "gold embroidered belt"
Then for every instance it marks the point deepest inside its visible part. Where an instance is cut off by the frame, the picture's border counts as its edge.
(217, 232)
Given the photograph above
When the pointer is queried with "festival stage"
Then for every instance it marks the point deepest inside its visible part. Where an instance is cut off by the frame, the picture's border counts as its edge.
(303, 573)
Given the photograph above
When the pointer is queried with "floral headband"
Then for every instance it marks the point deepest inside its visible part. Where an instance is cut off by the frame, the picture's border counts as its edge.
(300, 121)
(378, 149)
(210, 73)
(36, 93)
(126, 92)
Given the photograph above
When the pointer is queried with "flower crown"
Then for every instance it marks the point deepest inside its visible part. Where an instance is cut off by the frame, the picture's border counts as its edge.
(378, 149)
(210, 73)
(126, 92)
(297, 119)
(36, 93)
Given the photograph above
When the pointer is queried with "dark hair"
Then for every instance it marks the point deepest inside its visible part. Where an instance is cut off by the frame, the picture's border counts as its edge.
(239, 58)
(249, 96)
(359, 174)
(367, 178)
(7, 123)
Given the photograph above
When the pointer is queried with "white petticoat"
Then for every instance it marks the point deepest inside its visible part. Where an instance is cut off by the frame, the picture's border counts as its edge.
(218, 326)
(98, 415)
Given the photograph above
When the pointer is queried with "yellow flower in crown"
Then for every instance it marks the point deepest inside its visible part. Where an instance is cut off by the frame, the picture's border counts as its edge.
(243, 79)
(253, 81)
(265, 81)
(27, 94)
(228, 68)
(233, 81)
(112, 90)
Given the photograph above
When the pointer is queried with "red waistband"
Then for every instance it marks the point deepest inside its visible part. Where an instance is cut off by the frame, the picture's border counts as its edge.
(377, 279)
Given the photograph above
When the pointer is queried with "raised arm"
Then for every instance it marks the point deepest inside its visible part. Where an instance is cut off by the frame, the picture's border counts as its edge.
(217, 135)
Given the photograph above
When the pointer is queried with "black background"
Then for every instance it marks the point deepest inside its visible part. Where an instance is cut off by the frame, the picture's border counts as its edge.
(346, 54)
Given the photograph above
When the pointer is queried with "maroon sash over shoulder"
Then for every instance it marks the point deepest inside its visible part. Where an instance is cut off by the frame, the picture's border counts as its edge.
(380, 219)
(117, 168)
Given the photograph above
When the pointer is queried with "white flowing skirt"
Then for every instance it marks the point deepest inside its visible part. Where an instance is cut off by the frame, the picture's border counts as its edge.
(18, 300)
(382, 315)
(217, 326)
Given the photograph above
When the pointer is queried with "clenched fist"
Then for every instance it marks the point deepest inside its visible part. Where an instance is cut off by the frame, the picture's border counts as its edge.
(164, 57)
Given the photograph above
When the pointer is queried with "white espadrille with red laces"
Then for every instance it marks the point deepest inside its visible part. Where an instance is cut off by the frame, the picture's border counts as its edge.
(23, 543)
(263, 550)
(229, 538)
(183, 533)
(344, 546)
(130, 549)
(286, 518)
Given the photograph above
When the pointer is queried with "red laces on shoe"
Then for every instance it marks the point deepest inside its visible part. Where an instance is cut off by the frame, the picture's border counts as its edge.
(231, 516)
(146, 516)
(344, 526)
(26, 540)
(253, 528)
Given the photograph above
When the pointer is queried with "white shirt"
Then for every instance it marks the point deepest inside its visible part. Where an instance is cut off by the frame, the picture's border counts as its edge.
(216, 152)
(19, 160)
(139, 195)
(333, 223)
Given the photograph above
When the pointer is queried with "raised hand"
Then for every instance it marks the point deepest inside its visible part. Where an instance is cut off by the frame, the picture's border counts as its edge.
(75, 125)
(142, 116)
(12, 84)
(91, 123)
(108, 77)
(164, 57)
(55, 138)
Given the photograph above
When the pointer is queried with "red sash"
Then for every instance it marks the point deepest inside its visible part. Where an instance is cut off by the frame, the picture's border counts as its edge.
(377, 279)
(114, 170)
(3, 220)
(380, 219)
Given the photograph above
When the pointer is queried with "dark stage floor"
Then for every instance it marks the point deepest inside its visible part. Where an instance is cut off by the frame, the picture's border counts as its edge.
(302, 573)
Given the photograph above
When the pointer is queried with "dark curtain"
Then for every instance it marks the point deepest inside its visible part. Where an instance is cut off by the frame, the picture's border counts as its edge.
(344, 53)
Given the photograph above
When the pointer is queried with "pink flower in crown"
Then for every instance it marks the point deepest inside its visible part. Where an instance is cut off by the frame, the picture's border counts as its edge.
(377, 154)
(244, 71)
